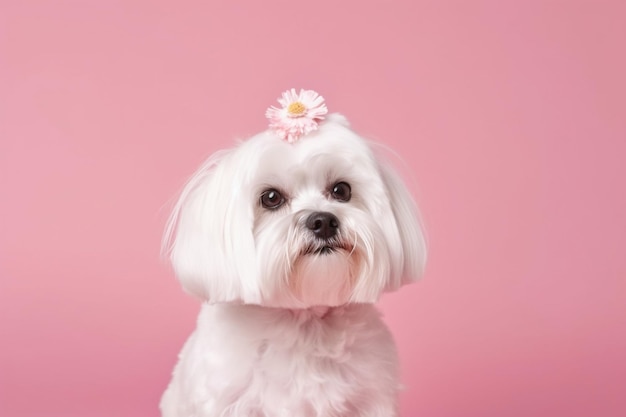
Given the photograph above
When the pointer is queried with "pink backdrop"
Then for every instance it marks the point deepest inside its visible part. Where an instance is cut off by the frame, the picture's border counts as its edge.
(510, 115)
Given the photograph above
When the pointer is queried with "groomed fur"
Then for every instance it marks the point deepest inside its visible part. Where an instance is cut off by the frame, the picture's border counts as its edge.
(288, 330)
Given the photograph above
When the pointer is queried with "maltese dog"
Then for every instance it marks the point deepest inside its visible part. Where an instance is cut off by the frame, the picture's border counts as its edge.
(289, 239)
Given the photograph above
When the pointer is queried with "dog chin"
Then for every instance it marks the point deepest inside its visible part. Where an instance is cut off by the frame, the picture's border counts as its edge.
(323, 276)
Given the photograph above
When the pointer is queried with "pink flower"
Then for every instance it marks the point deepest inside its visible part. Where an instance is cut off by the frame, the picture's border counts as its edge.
(299, 115)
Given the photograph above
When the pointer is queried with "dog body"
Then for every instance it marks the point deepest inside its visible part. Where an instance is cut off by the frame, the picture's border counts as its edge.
(289, 245)
(255, 361)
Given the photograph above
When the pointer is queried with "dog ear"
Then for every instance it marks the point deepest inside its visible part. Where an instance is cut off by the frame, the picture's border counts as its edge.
(209, 234)
(408, 225)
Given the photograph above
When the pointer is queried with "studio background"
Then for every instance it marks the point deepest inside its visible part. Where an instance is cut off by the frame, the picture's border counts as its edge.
(509, 115)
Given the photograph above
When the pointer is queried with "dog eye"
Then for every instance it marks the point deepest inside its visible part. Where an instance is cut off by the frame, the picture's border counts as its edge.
(272, 199)
(341, 191)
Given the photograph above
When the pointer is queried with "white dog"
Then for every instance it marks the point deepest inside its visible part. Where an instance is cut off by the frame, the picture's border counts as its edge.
(290, 238)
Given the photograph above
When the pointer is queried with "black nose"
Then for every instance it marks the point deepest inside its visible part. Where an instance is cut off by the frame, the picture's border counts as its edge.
(324, 225)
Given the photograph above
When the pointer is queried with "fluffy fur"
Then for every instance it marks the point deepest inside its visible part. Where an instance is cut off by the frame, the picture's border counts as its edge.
(288, 327)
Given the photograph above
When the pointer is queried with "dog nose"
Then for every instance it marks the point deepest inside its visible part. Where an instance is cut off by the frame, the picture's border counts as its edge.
(323, 224)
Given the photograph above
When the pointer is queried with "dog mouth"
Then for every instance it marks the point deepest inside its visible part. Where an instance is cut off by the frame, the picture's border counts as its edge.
(326, 248)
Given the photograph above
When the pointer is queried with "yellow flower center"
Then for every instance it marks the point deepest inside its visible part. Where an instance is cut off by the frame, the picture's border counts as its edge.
(296, 109)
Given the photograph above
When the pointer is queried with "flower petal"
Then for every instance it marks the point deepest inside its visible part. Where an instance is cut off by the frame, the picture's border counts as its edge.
(291, 126)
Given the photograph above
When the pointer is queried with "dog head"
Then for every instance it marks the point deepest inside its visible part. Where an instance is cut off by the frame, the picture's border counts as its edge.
(318, 222)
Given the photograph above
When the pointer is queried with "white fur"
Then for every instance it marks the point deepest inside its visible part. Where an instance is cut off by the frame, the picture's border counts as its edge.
(286, 332)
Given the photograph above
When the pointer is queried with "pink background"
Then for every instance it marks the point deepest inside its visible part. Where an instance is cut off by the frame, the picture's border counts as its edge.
(510, 115)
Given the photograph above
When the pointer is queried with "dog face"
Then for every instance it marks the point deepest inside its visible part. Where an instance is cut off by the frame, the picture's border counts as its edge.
(319, 222)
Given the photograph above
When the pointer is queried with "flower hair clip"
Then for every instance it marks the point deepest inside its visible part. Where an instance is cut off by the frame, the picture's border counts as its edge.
(298, 116)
